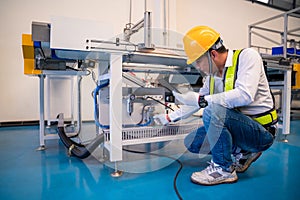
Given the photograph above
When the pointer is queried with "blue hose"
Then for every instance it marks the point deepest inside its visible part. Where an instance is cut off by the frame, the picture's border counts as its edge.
(147, 123)
(103, 84)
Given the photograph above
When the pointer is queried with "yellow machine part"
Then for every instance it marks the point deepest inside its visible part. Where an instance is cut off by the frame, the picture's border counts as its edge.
(28, 55)
(296, 68)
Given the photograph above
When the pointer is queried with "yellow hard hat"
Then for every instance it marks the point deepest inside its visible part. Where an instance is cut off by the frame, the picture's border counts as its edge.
(198, 40)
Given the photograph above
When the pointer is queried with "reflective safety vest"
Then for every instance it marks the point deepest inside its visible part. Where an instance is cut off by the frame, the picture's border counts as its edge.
(266, 118)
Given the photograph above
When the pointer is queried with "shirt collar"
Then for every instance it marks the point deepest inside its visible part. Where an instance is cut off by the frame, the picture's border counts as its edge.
(228, 62)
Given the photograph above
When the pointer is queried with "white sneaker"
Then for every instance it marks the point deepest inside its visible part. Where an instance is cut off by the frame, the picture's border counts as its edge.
(244, 160)
(213, 175)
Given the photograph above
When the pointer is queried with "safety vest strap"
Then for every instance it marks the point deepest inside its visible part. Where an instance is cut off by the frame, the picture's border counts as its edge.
(231, 71)
(211, 85)
(267, 118)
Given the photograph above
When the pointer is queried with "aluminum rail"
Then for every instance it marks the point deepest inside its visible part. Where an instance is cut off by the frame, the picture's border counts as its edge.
(275, 17)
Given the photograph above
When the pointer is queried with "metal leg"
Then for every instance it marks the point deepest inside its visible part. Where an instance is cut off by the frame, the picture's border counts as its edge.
(284, 139)
(48, 89)
(286, 104)
(42, 114)
(116, 173)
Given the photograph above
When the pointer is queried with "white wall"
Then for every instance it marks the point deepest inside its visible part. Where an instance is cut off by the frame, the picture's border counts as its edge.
(230, 18)
(19, 93)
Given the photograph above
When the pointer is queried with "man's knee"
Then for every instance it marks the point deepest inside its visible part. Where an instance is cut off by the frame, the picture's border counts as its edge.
(194, 140)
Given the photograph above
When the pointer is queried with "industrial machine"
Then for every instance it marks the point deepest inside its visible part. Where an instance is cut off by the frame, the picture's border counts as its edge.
(134, 82)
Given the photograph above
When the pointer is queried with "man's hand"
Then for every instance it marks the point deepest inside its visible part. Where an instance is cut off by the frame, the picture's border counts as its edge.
(161, 119)
(190, 98)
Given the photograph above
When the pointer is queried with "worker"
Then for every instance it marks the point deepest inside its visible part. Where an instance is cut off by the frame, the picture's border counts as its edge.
(239, 116)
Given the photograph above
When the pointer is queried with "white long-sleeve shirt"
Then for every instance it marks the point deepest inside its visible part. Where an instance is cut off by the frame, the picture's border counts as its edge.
(251, 93)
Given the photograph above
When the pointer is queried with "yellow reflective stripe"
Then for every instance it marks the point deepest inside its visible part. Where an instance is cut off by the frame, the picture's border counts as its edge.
(211, 85)
(230, 73)
(267, 119)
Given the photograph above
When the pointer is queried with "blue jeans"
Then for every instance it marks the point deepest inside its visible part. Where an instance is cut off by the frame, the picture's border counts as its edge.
(225, 129)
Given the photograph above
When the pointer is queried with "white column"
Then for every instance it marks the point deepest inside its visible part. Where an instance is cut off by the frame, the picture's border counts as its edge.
(286, 107)
(42, 112)
(115, 106)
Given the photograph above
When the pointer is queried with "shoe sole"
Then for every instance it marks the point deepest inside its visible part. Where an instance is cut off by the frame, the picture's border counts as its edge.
(247, 164)
(227, 181)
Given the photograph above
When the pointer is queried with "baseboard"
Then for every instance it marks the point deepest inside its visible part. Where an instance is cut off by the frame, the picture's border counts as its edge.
(19, 123)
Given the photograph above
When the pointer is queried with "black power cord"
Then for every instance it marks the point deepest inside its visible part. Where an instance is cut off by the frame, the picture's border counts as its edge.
(160, 155)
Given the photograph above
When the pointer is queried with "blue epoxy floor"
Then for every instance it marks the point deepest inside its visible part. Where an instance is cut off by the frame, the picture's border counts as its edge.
(29, 174)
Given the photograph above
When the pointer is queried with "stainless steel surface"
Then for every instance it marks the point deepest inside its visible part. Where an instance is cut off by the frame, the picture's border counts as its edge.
(147, 32)
(156, 58)
(40, 31)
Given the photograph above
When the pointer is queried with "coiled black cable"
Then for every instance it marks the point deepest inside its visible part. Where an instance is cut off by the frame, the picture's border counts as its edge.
(160, 155)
